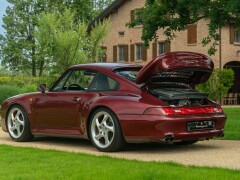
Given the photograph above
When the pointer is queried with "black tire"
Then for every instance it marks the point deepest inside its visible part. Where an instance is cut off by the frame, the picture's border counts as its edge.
(105, 131)
(188, 142)
(18, 124)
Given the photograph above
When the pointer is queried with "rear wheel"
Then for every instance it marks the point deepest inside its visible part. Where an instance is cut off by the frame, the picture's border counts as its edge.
(18, 124)
(186, 142)
(105, 131)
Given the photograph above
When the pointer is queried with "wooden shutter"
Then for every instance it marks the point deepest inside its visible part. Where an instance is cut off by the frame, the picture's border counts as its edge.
(132, 15)
(132, 52)
(192, 34)
(144, 53)
(114, 53)
(126, 53)
(231, 33)
(167, 47)
(154, 50)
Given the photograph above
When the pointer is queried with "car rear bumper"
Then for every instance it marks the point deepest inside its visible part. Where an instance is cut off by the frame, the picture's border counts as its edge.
(154, 128)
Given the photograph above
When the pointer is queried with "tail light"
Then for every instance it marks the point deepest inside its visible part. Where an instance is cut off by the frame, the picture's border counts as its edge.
(184, 110)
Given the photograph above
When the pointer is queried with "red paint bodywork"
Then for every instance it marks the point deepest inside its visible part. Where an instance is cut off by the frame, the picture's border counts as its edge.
(57, 113)
(178, 61)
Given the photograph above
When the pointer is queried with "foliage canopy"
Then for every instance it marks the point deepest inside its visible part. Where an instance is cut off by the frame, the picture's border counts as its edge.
(175, 15)
(20, 50)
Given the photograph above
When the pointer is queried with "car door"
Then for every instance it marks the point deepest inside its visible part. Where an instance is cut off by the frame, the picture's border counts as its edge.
(58, 110)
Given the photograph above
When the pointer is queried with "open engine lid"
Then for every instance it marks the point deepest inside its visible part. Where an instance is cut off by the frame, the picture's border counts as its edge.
(184, 67)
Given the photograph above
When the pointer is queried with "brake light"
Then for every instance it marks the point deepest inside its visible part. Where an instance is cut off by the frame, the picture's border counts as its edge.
(184, 110)
(159, 111)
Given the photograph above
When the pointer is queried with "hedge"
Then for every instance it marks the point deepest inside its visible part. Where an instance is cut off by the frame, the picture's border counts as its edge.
(23, 81)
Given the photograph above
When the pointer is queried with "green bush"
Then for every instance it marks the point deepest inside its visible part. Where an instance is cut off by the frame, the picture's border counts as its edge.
(28, 88)
(218, 84)
(10, 86)
(23, 81)
(7, 91)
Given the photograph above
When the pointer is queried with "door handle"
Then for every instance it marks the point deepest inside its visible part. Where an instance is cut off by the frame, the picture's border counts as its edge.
(77, 99)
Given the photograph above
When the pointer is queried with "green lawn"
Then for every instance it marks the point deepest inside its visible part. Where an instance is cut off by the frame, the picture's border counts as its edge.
(28, 163)
(232, 127)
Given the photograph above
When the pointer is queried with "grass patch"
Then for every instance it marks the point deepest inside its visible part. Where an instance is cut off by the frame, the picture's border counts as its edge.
(232, 127)
(28, 163)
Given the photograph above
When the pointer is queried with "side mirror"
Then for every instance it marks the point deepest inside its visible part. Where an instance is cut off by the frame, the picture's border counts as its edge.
(41, 88)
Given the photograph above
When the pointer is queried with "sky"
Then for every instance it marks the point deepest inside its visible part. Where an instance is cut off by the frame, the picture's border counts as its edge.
(3, 5)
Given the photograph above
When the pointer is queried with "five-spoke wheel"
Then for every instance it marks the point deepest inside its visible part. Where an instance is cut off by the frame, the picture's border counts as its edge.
(18, 124)
(105, 131)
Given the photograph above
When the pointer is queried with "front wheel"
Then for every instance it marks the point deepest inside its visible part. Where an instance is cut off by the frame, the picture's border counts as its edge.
(18, 124)
(105, 131)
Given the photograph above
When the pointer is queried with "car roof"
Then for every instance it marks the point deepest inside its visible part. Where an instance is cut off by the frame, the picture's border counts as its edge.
(105, 66)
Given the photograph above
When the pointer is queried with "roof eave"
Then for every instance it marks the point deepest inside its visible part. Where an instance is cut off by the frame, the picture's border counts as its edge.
(106, 13)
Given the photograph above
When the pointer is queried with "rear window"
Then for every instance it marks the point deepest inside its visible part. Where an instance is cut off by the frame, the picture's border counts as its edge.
(130, 74)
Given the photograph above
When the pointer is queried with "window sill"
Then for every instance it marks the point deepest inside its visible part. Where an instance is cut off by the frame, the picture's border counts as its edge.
(236, 43)
(195, 44)
(121, 61)
(138, 26)
(139, 61)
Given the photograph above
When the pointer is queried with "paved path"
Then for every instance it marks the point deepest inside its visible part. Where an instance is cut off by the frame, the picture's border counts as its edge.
(216, 153)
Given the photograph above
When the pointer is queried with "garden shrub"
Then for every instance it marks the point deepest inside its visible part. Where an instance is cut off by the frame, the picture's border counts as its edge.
(218, 84)
(23, 81)
(10, 86)
(7, 91)
(28, 88)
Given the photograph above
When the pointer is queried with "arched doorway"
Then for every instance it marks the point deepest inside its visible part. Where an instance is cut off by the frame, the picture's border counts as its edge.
(235, 66)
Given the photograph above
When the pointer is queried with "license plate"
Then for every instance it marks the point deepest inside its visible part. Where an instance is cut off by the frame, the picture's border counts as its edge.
(200, 125)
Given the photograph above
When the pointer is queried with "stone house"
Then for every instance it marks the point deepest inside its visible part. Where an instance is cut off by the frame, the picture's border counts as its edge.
(124, 44)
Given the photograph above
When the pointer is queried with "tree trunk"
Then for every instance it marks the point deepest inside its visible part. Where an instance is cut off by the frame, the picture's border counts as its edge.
(34, 71)
(41, 67)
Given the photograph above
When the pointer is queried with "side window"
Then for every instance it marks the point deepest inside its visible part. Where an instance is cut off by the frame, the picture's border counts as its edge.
(59, 86)
(102, 82)
(77, 80)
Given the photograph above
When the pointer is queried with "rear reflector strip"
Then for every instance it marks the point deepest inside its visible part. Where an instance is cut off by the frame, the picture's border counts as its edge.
(192, 110)
(184, 110)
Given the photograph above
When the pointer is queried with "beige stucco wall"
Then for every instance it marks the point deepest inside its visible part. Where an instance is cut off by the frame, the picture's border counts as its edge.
(133, 35)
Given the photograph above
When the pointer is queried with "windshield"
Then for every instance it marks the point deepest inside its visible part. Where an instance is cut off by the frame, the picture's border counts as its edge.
(130, 74)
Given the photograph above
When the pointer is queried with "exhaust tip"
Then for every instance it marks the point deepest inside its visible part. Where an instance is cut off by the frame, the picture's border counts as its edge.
(221, 134)
(168, 138)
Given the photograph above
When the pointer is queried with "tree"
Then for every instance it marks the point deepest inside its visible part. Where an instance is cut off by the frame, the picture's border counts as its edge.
(99, 5)
(218, 84)
(65, 42)
(175, 15)
(18, 49)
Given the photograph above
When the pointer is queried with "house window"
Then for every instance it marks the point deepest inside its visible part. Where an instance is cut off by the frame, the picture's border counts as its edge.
(121, 34)
(121, 53)
(161, 48)
(139, 50)
(237, 36)
(192, 34)
(134, 16)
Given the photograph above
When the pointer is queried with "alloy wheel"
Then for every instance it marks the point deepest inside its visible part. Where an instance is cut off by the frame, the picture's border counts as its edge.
(102, 129)
(16, 123)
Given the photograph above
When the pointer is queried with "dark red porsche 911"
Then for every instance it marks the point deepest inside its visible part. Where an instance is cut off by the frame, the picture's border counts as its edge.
(112, 104)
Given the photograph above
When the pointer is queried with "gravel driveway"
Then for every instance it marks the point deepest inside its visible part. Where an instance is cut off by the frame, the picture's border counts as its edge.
(216, 153)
